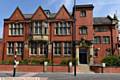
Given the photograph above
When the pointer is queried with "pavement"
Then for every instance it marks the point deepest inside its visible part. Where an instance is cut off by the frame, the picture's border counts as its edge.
(60, 76)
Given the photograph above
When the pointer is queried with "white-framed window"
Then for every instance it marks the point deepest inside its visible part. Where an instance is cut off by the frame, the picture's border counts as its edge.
(38, 48)
(16, 29)
(83, 13)
(33, 48)
(40, 27)
(83, 30)
(67, 48)
(43, 49)
(20, 48)
(10, 48)
(63, 28)
(57, 48)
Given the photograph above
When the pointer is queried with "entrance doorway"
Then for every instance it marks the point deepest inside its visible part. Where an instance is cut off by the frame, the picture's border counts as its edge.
(83, 56)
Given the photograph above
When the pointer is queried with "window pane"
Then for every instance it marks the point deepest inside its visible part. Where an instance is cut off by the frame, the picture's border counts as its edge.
(83, 30)
(101, 29)
(83, 13)
(96, 39)
(16, 29)
(63, 28)
(106, 39)
(57, 48)
(67, 48)
(10, 48)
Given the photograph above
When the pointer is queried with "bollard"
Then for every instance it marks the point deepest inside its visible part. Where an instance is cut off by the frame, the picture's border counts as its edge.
(103, 65)
(45, 66)
(70, 65)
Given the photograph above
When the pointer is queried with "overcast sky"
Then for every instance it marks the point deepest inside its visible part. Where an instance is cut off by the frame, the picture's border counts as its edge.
(101, 7)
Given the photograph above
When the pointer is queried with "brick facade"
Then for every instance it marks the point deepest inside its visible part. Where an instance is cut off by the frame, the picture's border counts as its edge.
(84, 18)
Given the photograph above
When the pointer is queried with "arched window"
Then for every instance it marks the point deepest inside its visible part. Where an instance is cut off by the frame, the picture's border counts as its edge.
(83, 30)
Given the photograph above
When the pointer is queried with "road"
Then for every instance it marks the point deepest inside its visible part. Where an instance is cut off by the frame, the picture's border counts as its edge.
(65, 76)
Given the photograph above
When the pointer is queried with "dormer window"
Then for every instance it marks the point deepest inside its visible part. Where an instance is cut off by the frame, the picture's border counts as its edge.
(82, 13)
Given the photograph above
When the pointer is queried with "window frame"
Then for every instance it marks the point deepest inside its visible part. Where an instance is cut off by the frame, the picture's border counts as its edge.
(62, 28)
(99, 38)
(67, 48)
(20, 48)
(83, 13)
(83, 30)
(104, 40)
(39, 28)
(10, 48)
(16, 29)
(101, 29)
(57, 48)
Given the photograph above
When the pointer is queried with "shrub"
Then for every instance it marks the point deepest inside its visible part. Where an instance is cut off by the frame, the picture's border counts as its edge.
(37, 62)
(64, 62)
(26, 61)
(6, 62)
(111, 61)
(40, 61)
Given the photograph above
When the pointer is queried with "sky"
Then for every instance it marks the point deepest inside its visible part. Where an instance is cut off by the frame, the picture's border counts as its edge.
(102, 8)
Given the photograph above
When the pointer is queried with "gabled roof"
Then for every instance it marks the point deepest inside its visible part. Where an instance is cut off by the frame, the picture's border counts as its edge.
(62, 13)
(39, 14)
(17, 15)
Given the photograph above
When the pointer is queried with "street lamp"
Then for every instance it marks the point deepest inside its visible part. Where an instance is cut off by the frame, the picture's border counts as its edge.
(14, 65)
(51, 52)
(74, 38)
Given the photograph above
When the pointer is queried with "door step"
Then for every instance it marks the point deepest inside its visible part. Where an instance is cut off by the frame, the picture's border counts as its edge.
(83, 68)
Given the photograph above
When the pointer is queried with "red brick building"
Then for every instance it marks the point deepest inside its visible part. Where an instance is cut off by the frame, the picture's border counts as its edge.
(44, 34)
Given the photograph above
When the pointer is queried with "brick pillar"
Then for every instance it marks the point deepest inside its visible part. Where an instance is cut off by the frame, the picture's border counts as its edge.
(49, 51)
(62, 49)
(26, 51)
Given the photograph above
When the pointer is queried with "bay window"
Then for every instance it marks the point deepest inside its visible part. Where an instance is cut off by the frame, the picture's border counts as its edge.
(40, 27)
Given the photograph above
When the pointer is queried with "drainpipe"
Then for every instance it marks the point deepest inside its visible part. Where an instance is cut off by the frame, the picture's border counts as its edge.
(111, 35)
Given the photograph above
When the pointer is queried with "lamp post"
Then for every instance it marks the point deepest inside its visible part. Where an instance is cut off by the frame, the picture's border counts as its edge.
(14, 65)
(74, 38)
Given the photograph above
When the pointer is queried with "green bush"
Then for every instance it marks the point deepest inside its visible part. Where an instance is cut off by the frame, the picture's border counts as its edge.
(41, 62)
(112, 61)
(6, 62)
(66, 61)
(37, 61)
(24, 61)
